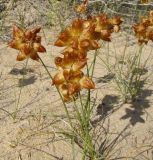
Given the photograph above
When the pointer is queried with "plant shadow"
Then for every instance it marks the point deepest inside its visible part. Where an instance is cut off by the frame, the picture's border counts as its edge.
(105, 79)
(26, 81)
(106, 107)
(137, 108)
(23, 71)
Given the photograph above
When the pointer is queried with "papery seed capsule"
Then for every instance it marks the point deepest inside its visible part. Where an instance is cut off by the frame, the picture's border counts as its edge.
(38, 47)
(79, 65)
(116, 28)
(21, 56)
(58, 61)
(85, 43)
(87, 83)
(73, 88)
(18, 32)
(28, 35)
(94, 45)
(36, 30)
(105, 35)
(82, 7)
(116, 20)
(58, 78)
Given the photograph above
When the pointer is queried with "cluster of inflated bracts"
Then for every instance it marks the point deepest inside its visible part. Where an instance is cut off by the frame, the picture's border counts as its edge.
(144, 29)
(77, 39)
(27, 42)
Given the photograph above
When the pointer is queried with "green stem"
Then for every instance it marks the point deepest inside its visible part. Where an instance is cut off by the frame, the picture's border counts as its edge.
(88, 146)
(17, 106)
(65, 107)
(92, 72)
(88, 97)
(94, 62)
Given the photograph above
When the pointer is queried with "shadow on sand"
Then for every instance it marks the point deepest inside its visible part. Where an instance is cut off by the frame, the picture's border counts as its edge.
(23, 71)
(26, 81)
(137, 108)
(134, 112)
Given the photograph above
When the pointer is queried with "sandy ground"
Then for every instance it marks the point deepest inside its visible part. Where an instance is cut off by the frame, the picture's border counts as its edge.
(31, 136)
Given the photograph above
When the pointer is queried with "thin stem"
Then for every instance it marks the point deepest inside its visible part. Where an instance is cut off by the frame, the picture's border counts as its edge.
(80, 99)
(46, 69)
(94, 62)
(92, 72)
(88, 146)
(88, 97)
(17, 106)
(77, 111)
(65, 107)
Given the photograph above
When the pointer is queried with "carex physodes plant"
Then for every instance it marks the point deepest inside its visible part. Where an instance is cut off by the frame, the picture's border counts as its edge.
(80, 37)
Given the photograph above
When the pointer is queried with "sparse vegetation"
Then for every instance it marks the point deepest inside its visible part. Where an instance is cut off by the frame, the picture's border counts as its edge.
(81, 80)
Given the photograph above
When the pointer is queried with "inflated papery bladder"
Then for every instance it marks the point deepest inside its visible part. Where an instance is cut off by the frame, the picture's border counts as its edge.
(78, 39)
(27, 42)
(144, 29)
